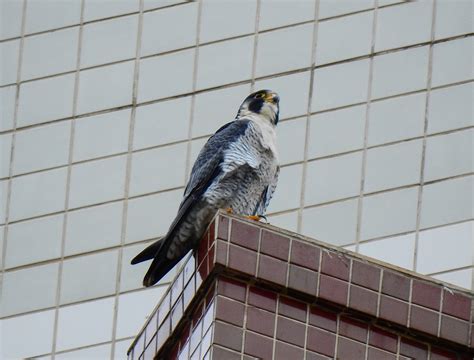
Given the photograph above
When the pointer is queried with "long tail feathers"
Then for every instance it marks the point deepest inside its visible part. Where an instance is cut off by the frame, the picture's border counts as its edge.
(148, 253)
(158, 268)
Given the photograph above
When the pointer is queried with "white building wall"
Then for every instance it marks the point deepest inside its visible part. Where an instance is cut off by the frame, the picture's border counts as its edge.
(105, 104)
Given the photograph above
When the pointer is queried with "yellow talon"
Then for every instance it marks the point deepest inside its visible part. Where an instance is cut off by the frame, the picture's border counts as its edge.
(229, 210)
(254, 217)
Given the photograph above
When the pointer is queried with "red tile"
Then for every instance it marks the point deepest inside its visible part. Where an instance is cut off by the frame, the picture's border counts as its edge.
(219, 353)
(292, 308)
(244, 234)
(455, 330)
(363, 300)
(439, 354)
(413, 349)
(336, 265)
(396, 285)
(272, 270)
(304, 280)
(223, 228)
(376, 354)
(197, 315)
(259, 346)
(262, 299)
(202, 249)
(457, 304)
(365, 275)
(353, 329)
(350, 350)
(185, 333)
(203, 270)
(212, 232)
(210, 258)
(321, 341)
(173, 355)
(285, 352)
(290, 331)
(221, 252)
(383, 339)
(275, 245)
(228, 336)
(393, 310)
(230, 311)
(260, 321)
(305, 255)
(231, 288)
(324, 319)
(333, 289)
(424, 320)
(426, 294)
(242, 260)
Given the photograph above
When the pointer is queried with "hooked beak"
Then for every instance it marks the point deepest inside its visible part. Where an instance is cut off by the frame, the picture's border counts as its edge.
(272, 97)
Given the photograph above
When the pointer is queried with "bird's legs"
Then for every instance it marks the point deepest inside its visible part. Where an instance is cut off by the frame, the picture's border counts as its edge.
(250, 217)
(257, 217)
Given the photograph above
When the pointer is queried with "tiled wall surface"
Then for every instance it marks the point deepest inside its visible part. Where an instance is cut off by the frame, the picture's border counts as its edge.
(99, 97)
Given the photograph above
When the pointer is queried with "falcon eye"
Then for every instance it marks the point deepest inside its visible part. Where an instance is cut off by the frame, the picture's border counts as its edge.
(259, 96)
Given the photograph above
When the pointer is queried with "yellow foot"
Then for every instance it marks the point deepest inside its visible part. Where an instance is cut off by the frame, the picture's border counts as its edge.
(229, 210)
(254, 217)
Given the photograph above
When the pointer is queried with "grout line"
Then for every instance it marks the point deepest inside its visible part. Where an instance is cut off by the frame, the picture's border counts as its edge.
(349, 283)
(275, 325)
(136, 75)
(244, 325)
(314, 42)
(255, 45)
(149, 241)
(440, 313)
(398, 346)
(79, 302)
(336, 343)
(189, 139)
(337, 62)
(94, 21)
(85, 347)
(360, 202)
(68, 184)
(379, 292)
(118, 16)
(201, 137)
(231, 85)
(12, 150)
(282, 212)
(410, 305)
(425, 131)
(306, 328)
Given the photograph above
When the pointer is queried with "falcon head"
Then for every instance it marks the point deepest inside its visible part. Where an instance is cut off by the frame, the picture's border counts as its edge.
(264, 103)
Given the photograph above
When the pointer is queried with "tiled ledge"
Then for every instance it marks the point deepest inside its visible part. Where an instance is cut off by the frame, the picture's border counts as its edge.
(313, 276)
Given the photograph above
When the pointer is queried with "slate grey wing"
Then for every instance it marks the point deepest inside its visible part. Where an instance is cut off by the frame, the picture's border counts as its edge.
(267, 195)
(195, 213)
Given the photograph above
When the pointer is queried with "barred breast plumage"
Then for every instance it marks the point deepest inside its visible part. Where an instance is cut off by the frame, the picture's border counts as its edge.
(237, 169)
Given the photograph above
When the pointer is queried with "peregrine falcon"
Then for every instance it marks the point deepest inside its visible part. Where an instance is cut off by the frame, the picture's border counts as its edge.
(237, 169)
